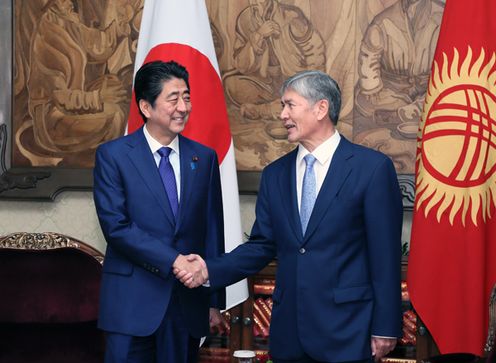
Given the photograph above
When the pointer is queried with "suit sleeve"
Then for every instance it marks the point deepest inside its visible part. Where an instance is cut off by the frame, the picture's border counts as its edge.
(215, 229)
(383, 223)
(249, 257)
(122, 234)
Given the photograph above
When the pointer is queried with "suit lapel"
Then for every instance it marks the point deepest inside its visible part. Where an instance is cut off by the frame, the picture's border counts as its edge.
(336, 175)
(288, 193)
(144, 162)
(188, 162)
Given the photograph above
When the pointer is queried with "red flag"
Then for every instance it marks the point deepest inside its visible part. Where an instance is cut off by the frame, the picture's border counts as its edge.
(180, 30)
(452, 265)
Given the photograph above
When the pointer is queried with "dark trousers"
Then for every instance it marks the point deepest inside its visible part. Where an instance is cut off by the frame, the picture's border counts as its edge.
(308, 359)
(170, 343)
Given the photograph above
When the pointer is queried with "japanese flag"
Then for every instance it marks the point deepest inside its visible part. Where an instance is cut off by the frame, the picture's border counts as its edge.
(180, 30)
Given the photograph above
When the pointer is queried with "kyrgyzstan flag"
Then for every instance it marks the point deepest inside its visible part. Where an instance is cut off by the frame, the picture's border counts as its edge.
(179, 30)
(452, 263)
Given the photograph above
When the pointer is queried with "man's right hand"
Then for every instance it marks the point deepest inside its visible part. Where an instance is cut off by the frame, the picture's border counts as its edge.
(191, 270)
(269, 28)
(112, 93)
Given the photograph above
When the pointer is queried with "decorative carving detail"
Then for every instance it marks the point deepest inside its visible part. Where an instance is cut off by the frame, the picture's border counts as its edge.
(36, 241)
(46, 241)
(9, 180)
(491, 334)
(3, 147)
(407, 187)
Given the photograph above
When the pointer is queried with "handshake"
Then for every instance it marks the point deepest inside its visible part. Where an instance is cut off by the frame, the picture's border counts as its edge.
(191, 270)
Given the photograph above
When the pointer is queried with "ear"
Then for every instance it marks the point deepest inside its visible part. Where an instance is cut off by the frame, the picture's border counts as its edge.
(322, 108)
(145, 107)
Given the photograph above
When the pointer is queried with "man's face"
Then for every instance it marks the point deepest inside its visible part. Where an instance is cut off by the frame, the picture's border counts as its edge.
(64, 5)
(171, 110)
(300, 118)
(259, 5)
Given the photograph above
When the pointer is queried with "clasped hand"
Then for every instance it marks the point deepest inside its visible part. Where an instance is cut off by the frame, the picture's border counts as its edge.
(191, 270)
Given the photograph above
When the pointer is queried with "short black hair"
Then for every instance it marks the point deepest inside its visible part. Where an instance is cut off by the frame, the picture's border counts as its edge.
(150, 78)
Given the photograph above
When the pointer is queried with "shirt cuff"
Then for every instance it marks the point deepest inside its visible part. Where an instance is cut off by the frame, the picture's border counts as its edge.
(380, 336)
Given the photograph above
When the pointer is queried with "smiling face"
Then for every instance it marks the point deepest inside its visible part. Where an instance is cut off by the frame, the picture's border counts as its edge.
(168, 116)
(306, 123)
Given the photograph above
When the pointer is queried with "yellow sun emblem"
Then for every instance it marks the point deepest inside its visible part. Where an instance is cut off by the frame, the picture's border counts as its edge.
(456, 158)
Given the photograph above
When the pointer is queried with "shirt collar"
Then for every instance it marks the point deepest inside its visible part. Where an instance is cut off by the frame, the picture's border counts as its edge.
(323, 152)
(155, 145)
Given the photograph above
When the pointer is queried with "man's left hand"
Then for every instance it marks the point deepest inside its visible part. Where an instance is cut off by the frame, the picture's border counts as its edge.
(217, 322)
(382, 346)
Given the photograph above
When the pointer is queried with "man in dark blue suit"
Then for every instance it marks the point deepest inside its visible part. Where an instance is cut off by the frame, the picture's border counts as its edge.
(330, 211)
(158, 199)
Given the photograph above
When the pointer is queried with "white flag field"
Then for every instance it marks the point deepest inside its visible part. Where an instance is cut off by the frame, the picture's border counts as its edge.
(180, 30)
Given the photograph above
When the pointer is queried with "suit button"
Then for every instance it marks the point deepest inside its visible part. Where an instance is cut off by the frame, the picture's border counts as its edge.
(302, 250)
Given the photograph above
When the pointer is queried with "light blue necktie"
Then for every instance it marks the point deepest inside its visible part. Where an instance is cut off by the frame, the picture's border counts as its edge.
(308, 192)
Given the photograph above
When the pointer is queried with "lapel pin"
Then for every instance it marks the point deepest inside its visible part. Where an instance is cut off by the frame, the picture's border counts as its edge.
(193, 162)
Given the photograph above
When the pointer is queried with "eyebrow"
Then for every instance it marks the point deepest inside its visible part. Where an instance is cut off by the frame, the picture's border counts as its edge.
(177, 93)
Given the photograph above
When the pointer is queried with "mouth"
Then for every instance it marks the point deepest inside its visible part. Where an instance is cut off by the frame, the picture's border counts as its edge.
(179, 119)
(289, 126)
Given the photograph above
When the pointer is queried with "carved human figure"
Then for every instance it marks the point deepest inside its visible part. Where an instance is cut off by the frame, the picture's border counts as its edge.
(273, 41)
(395, 58)
(72, 109)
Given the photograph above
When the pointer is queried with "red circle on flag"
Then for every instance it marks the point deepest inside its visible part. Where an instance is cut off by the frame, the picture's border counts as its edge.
(477, 138)
(208, 123)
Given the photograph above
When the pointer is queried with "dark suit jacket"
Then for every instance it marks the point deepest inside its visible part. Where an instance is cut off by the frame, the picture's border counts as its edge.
(143, 239)
(340, 283)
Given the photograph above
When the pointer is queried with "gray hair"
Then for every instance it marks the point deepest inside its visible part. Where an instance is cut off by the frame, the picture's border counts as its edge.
(315, 86)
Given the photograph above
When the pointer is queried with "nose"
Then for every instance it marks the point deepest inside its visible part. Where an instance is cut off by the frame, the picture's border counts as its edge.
(182, 105)
(284, 113)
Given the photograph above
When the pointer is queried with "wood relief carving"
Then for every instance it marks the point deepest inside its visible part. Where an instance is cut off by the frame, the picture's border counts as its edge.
(74, 66)
(264, 43)
(394, 64)
(379, 51)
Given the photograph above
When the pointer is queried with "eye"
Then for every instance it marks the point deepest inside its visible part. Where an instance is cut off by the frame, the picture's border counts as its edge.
(288, 104)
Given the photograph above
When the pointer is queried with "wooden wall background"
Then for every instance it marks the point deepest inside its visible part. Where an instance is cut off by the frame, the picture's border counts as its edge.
(73, 64)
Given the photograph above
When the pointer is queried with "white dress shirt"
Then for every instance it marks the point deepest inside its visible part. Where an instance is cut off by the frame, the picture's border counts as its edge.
(173, 156)
(323, 153)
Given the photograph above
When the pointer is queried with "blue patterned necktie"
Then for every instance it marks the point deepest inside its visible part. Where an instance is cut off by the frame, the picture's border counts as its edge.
(168, 177)
(308, 192)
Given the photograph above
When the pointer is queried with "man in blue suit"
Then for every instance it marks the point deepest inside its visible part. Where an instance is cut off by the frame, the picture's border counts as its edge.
(330, 211)
(158, 198)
